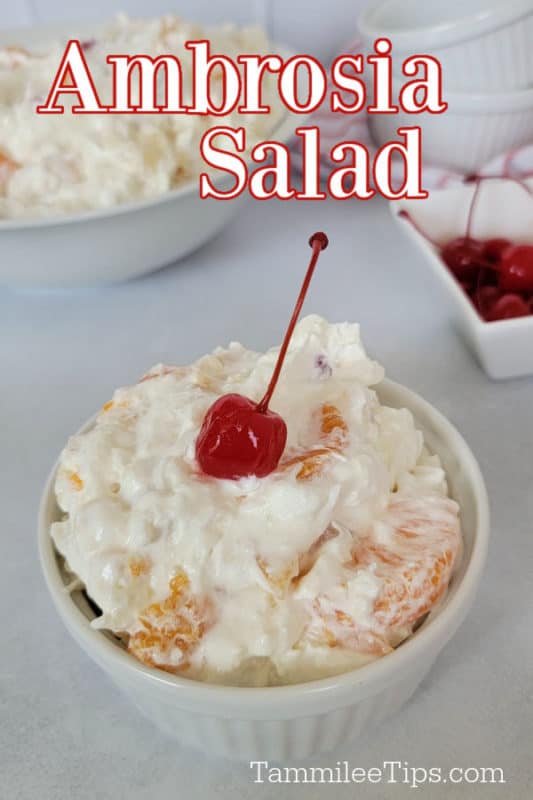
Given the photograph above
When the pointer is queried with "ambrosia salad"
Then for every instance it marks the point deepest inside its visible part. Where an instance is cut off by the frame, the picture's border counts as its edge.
(54, 164)
(325, 564)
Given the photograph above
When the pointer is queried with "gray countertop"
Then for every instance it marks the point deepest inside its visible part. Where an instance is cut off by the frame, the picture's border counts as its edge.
(65, 731)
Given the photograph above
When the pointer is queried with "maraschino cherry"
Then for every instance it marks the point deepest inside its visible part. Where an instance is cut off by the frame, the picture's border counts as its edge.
(494, 249)
(516, 268)
(508, 306)
(463, 255)
(495, 272)
(239, 437)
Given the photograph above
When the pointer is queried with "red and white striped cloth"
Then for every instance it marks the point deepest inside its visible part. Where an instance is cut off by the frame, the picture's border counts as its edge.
(335, 128)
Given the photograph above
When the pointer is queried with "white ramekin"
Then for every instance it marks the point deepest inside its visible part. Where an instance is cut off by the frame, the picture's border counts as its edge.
(474, 129)
(504, 209)
(288, 722)
(111, 245)
(483, 45)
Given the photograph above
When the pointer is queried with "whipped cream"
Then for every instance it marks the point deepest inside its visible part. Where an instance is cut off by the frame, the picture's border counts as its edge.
(325, 564)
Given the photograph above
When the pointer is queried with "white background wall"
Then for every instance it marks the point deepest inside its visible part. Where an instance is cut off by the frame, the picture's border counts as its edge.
(315, 26)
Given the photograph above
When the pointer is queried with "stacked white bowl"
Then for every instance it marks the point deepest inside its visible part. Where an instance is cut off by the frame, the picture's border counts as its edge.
(486, 51)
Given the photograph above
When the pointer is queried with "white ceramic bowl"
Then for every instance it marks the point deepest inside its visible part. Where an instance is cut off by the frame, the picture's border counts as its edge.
(100, 248)
(483, 45)
(474, 129)
(287, 722)
(112, 245)
(504, 348)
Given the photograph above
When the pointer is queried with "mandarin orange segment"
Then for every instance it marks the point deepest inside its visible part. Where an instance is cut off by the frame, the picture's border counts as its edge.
(112, 404)
(6, 162)
(171, 629)
(308, 559)
(341, 616)
(279, 581)
(339, 629)
(7, 167)
(413, 560)
(333, 433)
(416, 565)
(310, 460)
(333, 422)
(179, 584)
(165, 370)
(76, 481)
(138, 566)
(331, 639)
(17, 50)
(311, 466)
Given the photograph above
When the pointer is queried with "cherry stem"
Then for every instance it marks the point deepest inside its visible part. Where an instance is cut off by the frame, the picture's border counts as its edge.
(520, 180)
(318, 242)
(477, 179)
(471, 210)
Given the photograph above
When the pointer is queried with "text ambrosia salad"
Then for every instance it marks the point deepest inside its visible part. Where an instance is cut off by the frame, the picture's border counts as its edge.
(325, 564)
(61, 164)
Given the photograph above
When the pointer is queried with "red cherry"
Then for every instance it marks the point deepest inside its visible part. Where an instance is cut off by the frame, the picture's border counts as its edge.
(516, 270)
(467, 286)
(484, 299)
(507, 307)
(237, 440)
(484, 264)
(238, 437)
(493, 249)
(463, 256)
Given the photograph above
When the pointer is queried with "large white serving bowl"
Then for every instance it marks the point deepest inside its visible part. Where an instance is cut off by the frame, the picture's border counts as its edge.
(112, 245)
(483, 45)
(287, 722)
(100, 248)
(474, 129)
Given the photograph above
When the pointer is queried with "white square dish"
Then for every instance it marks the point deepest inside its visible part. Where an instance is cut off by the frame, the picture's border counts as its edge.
(504, 209)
